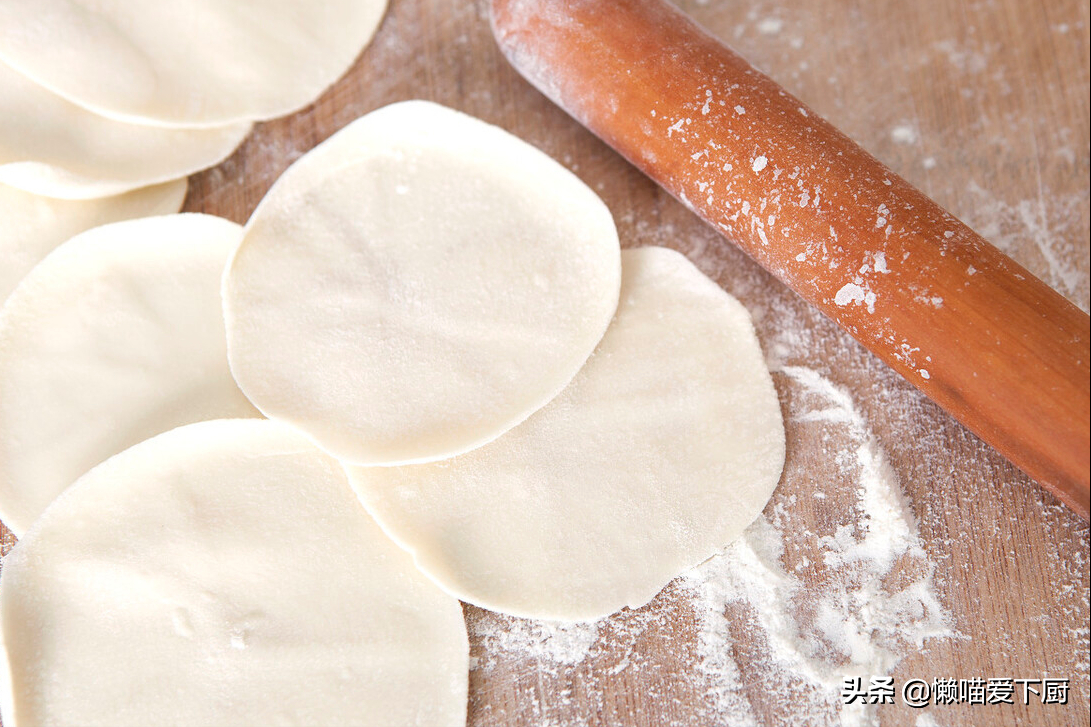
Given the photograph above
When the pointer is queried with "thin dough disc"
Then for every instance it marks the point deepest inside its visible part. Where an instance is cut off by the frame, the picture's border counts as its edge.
(417, 285)
(53, 147)
(224, 574)
(115, 337)
(186, 62)
(666, 445)
(31, 226)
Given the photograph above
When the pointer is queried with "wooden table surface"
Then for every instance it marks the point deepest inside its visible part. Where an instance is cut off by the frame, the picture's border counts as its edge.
(983, 104)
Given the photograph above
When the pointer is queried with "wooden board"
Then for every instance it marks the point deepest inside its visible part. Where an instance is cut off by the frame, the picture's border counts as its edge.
(983, 104)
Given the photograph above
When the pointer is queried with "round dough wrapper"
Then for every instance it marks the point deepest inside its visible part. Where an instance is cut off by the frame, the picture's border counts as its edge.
(224, 574)
(186, 62)
(417, 285)
(52, 147)
(665, 446)
(32, 225)
(117, 335)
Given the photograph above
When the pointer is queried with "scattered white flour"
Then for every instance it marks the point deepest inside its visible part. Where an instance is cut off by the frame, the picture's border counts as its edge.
(1049, 221)
(552, 644)
(880, 263)
(770, 26)
(848, 623)
(760, 163)
(926, 720)
(904, 134)
(849, 293)
(816, 607)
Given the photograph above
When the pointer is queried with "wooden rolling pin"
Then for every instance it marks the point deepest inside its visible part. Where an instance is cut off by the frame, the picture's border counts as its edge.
(973, 330)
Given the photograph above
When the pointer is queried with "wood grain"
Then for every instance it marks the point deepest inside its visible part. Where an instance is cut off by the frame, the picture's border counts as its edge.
(983, 104)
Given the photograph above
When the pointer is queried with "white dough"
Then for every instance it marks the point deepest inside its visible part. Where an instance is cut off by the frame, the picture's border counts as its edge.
(224, 574)
(52, 147)
(667, 444)
(186, 62)
(116, 336)
(31, 225)
(417, 285)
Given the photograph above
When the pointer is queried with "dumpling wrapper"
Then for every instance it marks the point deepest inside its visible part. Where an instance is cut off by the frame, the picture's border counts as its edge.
(661, 451)
(417, 285)
(223, 574)
(186, 62)
(116, 336)
(53, 147)
(31, 226)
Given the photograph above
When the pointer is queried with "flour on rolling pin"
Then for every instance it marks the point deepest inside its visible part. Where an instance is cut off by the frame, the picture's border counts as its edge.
(997, 348)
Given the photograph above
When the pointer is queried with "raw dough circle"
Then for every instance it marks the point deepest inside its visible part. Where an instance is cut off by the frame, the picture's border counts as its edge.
(665, 446)
(52, 147)
(117, 335)
(417, 285)
(224, 574)
(186, 62)
(31, 225)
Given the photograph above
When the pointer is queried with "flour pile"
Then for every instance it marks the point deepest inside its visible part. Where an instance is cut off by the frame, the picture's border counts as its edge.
(783, 616)
(857, 610)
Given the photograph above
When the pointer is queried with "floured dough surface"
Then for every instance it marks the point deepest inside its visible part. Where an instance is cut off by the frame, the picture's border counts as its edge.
(53, 147)
(116, 336)
(32, 225)
(186, 62)
(417, 285)
(665, 446)
(224, 574)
